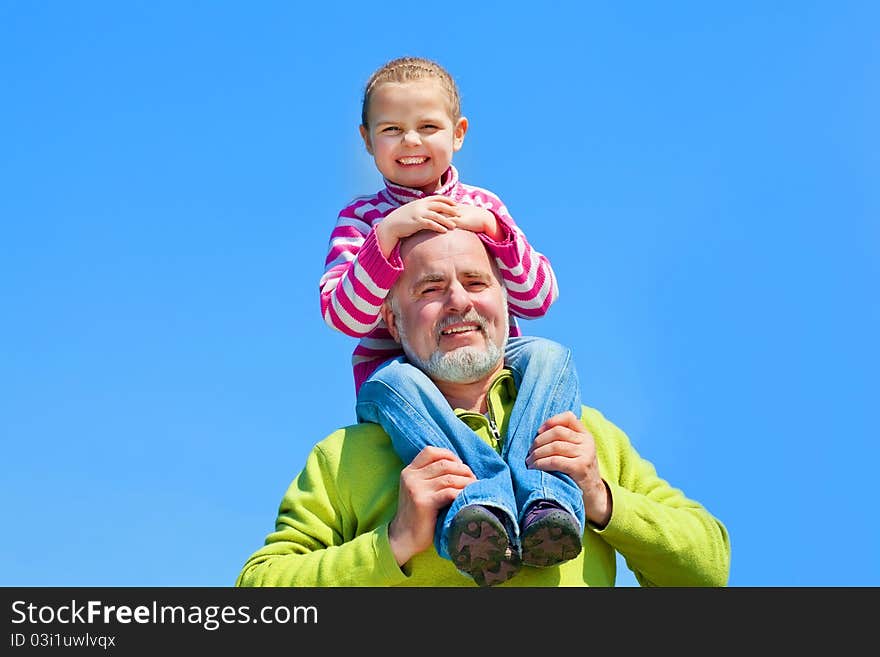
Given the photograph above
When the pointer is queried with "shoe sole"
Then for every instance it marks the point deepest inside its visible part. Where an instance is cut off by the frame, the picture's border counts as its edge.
(479, 546)
(551, 540)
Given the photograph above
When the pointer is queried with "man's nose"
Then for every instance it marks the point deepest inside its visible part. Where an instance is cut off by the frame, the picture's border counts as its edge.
(458, 300)
(412, 138)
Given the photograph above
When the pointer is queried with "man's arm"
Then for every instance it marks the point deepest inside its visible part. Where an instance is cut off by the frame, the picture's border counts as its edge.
(314, 543)
(432, 481)
(666, 538)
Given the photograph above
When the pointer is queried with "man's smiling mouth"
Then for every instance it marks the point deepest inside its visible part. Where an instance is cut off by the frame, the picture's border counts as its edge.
(460, 329)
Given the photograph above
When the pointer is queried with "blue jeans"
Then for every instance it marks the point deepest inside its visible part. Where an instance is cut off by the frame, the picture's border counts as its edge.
(415, 414)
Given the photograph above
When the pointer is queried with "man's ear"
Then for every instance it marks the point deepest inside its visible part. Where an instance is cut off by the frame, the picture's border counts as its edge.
(365, 135)
(390, 320)
(458, 133)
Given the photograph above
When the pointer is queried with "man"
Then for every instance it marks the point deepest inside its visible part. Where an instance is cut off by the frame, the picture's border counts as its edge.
(355, 516)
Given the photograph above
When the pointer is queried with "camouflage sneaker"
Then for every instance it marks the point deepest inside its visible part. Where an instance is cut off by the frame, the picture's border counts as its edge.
(550, 535)
(480, 546)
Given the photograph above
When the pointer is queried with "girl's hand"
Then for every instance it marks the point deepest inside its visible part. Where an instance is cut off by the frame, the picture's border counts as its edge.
(478, 220)
(430, 213)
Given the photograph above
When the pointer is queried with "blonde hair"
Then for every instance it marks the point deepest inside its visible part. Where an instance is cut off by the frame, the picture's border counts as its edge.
(412, 69)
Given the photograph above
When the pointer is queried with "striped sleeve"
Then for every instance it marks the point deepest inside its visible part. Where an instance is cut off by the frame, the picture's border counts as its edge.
(356, 275)
(529, 278)
(372, 351)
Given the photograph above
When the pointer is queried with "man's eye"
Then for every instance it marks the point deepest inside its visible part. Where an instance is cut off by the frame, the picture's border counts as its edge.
(390, 130)
(429, 127)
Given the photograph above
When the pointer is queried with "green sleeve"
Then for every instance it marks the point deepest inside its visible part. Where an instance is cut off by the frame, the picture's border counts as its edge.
(665, 538)
(314, 542)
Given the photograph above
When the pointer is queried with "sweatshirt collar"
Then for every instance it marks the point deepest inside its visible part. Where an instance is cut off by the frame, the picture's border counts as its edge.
(492, 427)
(449, 187)
(502, 392)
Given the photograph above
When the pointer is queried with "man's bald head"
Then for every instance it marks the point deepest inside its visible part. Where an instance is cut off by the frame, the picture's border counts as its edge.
(448, 309)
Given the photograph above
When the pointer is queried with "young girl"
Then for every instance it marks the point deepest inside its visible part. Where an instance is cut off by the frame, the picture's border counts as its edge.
(411, 124)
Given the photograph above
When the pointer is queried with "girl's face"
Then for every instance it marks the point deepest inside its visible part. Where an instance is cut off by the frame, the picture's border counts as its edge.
(410, 134)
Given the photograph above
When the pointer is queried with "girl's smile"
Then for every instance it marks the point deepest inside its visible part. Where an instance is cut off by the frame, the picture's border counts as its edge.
(411, 134)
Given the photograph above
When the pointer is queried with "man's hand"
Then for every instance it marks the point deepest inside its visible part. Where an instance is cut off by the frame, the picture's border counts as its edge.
(429, 213)
(478, 220)
(434, 478)
(565, 445)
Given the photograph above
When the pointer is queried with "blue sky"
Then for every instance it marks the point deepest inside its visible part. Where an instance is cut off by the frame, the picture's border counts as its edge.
(703, 178)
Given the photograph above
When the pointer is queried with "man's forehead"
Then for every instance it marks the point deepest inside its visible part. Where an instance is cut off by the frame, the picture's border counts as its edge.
(443, 252)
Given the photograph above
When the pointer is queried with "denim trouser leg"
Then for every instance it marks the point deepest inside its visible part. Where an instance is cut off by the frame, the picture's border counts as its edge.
(547, 385)
(415, 414)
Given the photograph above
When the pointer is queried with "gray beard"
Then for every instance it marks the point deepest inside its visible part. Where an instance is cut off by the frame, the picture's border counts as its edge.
(462, 365)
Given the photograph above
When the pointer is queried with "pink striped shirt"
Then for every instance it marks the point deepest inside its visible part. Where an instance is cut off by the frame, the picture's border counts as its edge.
(357, 277)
